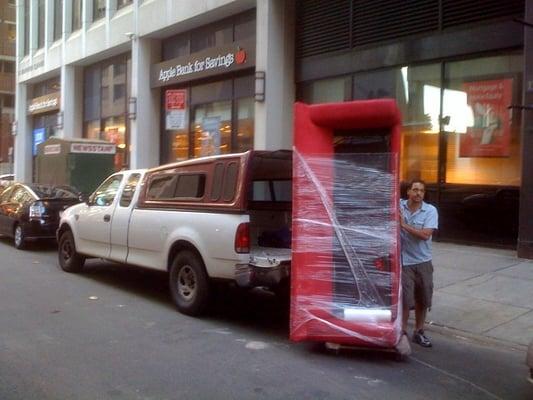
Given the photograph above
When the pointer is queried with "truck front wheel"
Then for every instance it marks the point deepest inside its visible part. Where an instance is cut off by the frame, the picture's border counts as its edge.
(189, 283)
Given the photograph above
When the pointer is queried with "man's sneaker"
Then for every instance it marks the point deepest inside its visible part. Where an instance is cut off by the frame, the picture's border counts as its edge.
(421, 339)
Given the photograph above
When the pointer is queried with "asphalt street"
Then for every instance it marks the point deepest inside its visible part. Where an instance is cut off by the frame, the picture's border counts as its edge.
(112, 333)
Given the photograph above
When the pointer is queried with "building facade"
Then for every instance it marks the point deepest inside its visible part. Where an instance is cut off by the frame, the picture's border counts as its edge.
(7, 82)
(457, 72)
(163, 80)
(167, 80)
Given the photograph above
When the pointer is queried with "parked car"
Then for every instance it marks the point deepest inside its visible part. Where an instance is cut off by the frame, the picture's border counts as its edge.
(529, 361)
(225, 217)
(31, 211)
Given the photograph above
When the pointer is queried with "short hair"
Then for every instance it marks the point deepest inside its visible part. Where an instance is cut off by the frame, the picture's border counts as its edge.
(411, 183)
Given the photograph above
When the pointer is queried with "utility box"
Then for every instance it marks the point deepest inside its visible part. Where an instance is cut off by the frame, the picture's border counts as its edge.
(81, 163)
(345, 271)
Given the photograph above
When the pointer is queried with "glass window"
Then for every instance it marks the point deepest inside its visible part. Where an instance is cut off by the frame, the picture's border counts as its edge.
(113, 89)
(245, 26)
(26, 27)
(190, 186)
(91, 101)
(218, 179)
(212, 128)
(115, 132)
(129, 190)
(123, 3)
(176, 46)
(40, 22)
(98, 9)
(92, 129)
(58, 19)
(214, 35)
(245, 124)
(106, 192)
(230, 181)
(76, 14)
(17, 195)
(162, 186)
(417, 93)
(483, 136)
(9, 67)
(327, 90)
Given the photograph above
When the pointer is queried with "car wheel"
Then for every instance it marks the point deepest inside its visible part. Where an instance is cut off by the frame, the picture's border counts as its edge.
(19, 237)
(189, 283)
(69, 259)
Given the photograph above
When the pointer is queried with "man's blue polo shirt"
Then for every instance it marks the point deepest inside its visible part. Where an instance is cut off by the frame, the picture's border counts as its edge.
(414, 250)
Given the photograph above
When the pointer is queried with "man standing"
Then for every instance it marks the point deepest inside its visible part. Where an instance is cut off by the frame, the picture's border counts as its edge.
(418, 219)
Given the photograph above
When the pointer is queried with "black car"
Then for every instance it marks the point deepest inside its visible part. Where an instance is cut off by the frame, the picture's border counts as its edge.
(31, 211)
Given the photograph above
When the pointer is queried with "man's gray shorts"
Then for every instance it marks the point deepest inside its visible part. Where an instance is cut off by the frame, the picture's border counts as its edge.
(417, 284)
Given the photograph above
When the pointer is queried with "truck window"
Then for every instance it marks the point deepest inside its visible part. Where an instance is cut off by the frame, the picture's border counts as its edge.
(218, 179)
(176, 186)
(230, 183)
(275, 190)
(129, 190)
(190, 186)
(106, 192)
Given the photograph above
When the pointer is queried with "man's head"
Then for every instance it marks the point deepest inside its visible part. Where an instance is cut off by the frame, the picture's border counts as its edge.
(416, 191)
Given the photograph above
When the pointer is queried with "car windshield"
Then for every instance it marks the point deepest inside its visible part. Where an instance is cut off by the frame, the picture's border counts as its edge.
(57, 192)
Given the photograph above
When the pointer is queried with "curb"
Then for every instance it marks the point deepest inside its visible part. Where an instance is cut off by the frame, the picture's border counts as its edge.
(457, 333)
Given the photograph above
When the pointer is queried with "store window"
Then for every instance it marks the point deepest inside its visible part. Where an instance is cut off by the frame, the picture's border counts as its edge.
(483, 134)
(76, 14)
(221, 116)
(105, 100)
(58, 19)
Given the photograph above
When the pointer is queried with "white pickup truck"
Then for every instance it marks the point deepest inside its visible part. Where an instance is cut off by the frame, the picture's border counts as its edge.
(223, 217)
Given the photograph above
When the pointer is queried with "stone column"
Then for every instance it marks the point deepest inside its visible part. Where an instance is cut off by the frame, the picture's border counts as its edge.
(72, 101)
(144, 129)
(275, 56)
(23, 139)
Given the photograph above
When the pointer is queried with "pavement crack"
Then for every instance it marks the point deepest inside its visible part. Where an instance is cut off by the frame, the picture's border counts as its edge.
(506, 322)
(449, 374)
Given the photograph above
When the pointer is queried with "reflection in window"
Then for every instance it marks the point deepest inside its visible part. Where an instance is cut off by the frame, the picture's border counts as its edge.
(212, 129)
(58, 19)
(327, 90)
(98, 9)
(417, 93)
(115, 132)
(483, 137)
(40, 22)
(76, 14)
(245, 124)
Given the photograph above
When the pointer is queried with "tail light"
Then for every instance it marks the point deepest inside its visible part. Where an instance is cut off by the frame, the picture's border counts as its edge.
(242, 238)
(36, 211)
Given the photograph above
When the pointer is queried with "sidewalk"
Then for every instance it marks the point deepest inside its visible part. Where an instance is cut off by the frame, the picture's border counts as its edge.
(483, 292)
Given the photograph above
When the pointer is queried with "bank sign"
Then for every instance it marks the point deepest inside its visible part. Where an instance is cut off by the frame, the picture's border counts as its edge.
(204, 64)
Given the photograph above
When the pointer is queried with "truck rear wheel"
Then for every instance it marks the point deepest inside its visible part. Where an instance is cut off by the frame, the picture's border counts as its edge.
(189, 283)
(69, 259)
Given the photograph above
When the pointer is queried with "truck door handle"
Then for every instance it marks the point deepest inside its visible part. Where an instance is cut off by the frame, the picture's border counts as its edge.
(107, 218)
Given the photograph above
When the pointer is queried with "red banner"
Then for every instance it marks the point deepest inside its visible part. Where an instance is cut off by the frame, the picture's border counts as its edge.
(175, 99)
(490, 134)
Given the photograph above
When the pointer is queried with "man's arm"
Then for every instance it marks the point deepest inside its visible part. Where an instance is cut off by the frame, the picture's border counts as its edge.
(422, 234)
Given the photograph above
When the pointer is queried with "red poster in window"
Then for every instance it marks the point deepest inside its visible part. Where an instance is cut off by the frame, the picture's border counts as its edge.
(175, 99)
(490, 133)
